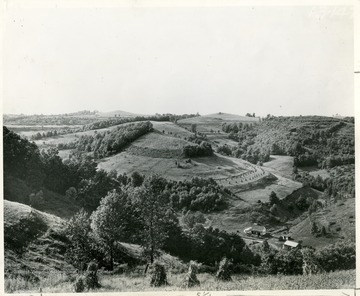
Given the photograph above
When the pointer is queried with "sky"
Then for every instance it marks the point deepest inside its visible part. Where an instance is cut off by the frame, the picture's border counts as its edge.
(279, 60)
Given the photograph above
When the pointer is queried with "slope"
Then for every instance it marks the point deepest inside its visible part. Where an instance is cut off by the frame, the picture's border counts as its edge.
(212, 123)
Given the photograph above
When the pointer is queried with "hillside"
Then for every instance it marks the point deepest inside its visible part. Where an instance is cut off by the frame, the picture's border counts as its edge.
(338, 221)
(212, 123)
(50, 202)
(33, 234)
(166, 190)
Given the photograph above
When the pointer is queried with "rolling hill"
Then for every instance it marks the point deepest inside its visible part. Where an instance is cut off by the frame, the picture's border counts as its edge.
(305, 196)
(116, 113)
(212, 123)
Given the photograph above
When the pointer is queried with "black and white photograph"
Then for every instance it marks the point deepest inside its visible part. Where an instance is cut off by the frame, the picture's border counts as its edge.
(189, 147)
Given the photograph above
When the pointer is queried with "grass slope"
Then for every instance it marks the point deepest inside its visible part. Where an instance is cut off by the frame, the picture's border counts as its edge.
(53, 203)
(338, 220)
(158, 145)
(212, 123)
(208, 282)
(133, 159)
(43, 256)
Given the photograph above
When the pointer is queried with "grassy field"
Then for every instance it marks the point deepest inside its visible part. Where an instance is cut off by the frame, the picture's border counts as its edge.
(138, 283)
(14, 211)
(212, 123)
(281, 165)
(216, 167)
(158, 145)
(169, 128)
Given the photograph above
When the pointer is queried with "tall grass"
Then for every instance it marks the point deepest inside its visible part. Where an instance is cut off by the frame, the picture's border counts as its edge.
(134, 282)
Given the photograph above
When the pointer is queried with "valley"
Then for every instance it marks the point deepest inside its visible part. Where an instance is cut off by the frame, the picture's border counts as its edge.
(217, 175)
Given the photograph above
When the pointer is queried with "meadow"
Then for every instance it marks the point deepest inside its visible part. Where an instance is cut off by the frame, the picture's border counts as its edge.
(134, 282)
(212, 123)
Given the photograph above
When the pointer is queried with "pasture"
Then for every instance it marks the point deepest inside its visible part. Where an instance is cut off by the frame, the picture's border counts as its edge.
(212, 123)
(169, 128)
(158, 145)
(338, 220)
(281, 165)
(216, 167)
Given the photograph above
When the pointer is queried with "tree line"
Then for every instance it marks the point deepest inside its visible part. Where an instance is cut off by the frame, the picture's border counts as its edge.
(112, 141)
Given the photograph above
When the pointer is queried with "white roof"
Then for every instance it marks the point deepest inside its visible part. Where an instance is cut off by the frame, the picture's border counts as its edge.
(291, 244)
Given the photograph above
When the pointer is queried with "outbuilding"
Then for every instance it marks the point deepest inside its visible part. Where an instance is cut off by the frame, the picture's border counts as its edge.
(288, 245)
(256, 230)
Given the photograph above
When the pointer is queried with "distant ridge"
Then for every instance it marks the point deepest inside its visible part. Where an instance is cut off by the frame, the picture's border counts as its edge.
(229, 116)
(117, 113)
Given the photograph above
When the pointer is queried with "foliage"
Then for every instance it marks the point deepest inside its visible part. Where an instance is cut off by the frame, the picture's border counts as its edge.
(111, 142)
(339, 256)
(22, 159)
(112, 222)
(192, 218)
(273, 199)
(209, 245)
(154, 214)
(18, 236)
(204, 149)
(78, 232)
(312, 140)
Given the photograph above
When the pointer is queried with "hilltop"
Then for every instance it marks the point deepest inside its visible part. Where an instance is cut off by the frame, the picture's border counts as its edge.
(117, 113)
(212, 123)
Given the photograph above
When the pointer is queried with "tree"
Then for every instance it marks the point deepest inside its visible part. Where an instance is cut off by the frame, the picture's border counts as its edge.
(273, 199)
(314, 228)
(136, 179)
(111, 222)
(78, 232)
(193, 128)
(154, 211)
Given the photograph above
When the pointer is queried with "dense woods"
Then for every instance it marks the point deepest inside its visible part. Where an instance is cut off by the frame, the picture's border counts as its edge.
(312, 140)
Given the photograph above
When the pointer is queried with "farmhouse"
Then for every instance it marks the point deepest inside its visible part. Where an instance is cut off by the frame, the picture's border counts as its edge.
(290, 245)
(256, 230)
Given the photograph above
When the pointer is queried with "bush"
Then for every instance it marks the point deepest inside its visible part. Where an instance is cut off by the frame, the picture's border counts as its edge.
(339, 256)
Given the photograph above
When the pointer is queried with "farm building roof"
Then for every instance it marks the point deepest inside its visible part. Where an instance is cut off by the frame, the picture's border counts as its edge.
(291, 244)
